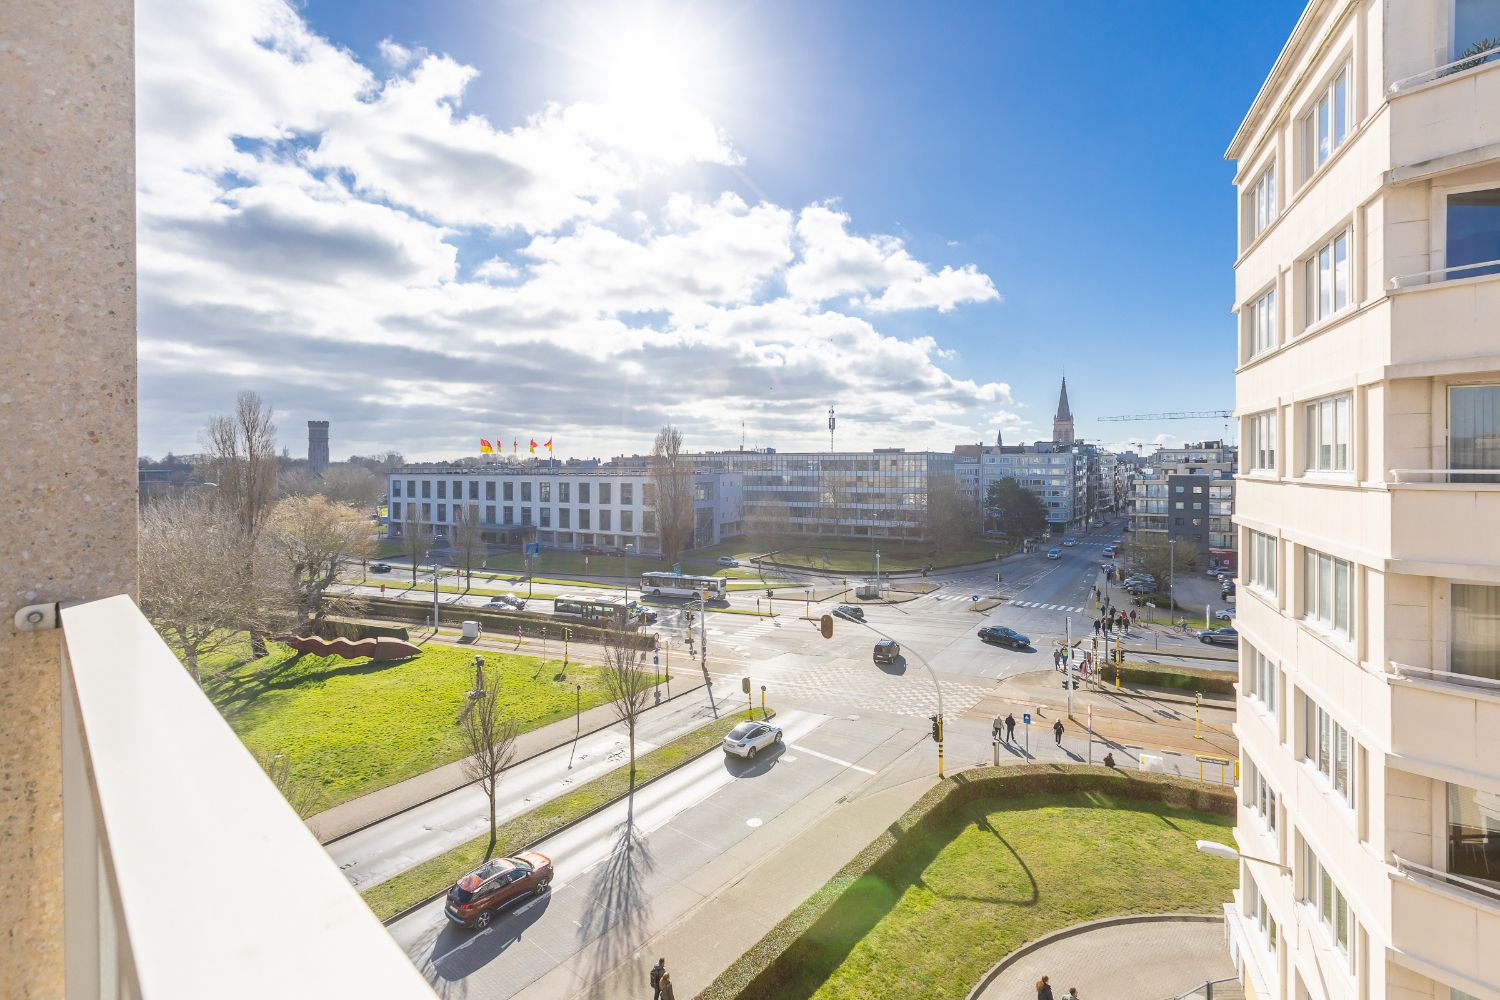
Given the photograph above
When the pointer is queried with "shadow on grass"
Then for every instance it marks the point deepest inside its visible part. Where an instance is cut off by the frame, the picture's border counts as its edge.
(234, 692)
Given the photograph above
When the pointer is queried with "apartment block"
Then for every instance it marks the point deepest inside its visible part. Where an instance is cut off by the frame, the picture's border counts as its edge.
(1186, 495)
(1367, 290)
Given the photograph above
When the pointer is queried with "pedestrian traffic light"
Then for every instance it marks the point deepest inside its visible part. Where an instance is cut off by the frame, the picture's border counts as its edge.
(826, 626)
(937, 728)
(768, 593)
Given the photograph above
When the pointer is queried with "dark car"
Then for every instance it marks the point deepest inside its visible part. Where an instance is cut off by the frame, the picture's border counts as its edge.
(380, 567)
(639, 612)
(1004, 635)
(1223, 636)
(592, 550)
(851, 612)
(474, 899)
(887, 651)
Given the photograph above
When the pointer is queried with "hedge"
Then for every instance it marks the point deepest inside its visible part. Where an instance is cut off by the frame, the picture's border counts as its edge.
(518, 623)
(765, 969)
(334, 627)
(1179, 677)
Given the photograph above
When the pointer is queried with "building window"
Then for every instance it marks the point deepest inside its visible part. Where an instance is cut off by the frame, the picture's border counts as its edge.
(1260, 914)
(1325, 279)
(583, 496)
(426, 489)
(510, 493)
(564, 517)
(489, 492)
(395, 509)
(442, 509)
(1258, 796)
(1261, 678)
(427, 512)
(583, 514)
(1260, 440)
(546, 517)
(648, 522)
(627, 495)
(627, 519)
(525, 515)
(395, 487)
(648, 494)
(1326, 586)
(1473, 834)
(1474, 432)
(1329, 748)
(1324, 128)
(546, 490)
(1332, 908)
(489, 512)
(458, 489)
(1261, 202)
(442, 489)
(1328, 435)
(1260, 324)
(1474, 644)
(473, 489)
(525, 491)
(563, 489)
(509, 513)
(604, 499)
(604, 520)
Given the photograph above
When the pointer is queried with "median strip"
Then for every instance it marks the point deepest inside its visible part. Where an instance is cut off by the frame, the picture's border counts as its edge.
(417, 885)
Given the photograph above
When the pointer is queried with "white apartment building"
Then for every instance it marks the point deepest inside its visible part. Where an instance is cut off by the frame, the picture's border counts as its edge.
(1368, 394)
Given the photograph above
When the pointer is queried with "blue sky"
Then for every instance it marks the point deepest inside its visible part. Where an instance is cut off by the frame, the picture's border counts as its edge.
(1064, 160)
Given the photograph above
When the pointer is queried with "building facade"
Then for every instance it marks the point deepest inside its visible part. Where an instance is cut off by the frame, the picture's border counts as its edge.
(1064, 477)
(1187, 495)
(317, 446)
(1368, 395)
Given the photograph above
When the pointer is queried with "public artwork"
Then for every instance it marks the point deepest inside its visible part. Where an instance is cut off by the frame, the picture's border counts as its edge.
(380, 648)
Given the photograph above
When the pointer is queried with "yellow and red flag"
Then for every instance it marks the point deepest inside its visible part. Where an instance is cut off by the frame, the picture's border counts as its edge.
(533, 446)
(485, 448)
(515, 445)
(548, 446)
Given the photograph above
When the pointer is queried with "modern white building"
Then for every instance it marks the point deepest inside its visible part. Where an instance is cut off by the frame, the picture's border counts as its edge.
(1367, 288)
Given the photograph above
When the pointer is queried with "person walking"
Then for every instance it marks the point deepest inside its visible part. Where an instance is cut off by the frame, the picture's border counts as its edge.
(1096, 626)
(1010, 728)
(665, 991)
(1043, 989)
(1072, 993)
(1135, 616)
(658, 973)
(1057, 730)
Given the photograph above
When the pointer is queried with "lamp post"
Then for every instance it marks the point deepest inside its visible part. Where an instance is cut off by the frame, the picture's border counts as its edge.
(577, 721)
(1217, 850)
(628, 547)
(1172, 578)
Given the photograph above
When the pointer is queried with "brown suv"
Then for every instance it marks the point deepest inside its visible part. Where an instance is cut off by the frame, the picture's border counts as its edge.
(475, 898)
(887, 651)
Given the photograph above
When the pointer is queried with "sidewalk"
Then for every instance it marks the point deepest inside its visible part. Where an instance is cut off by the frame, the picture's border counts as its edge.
(356, 814)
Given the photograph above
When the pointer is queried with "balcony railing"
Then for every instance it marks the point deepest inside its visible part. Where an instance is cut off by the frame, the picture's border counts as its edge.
(1488, 891)
(1444, 274)
(1407, 672)
(185, 873)
(1451, 476)
(1447, 69)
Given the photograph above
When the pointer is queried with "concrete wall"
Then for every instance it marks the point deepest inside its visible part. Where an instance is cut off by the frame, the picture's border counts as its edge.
(67, 413)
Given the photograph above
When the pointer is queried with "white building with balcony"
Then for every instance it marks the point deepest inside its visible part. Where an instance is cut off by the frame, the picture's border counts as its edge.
(1368, 393)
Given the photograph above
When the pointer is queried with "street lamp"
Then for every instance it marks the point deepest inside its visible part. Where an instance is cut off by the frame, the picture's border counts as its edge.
(629, 547)
(1217, 850)
(1172, 578)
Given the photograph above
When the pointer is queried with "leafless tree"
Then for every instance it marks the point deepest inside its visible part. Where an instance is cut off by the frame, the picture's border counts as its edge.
(241, 461)
(351, 484)
(302, 795)
(467, 536)
(489, 738)
(414, 534)
(314, 536)
(672, 484)
(202, 581)
(627, 684)
(952, 518)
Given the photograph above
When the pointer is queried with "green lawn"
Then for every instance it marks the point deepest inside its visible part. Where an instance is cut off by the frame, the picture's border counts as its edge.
(993, 876)
(855, 556)
(417, 883)
(353, 726)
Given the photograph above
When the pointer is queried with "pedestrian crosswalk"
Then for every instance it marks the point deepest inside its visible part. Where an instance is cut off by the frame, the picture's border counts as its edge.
(1047, 607)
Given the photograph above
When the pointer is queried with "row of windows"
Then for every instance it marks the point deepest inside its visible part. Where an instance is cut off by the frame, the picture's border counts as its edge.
(1329, 748)
(565, 516)
(543, 490)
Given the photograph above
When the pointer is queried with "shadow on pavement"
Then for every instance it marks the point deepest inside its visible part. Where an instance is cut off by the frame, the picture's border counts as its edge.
(762, 764)
(896, 668)
(458, 953)
(619, 908)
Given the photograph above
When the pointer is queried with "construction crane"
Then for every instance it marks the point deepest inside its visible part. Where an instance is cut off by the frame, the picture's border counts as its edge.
(1177, 415)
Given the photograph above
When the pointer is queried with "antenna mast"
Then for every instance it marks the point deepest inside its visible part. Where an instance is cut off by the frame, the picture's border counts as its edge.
(831, 423)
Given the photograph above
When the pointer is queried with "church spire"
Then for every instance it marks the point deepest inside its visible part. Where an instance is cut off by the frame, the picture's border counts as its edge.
(1062, 423)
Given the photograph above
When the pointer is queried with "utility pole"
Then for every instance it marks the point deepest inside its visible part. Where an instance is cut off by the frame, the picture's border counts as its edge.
(1172, 579)
(1068, 662)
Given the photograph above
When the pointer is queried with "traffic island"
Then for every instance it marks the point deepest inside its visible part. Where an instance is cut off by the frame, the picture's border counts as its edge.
(983, 863)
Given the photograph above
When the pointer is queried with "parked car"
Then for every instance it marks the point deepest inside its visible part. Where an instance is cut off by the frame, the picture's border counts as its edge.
(592, 550)
(1070, 540)
(1225, 635)
(474, 899)
(1227, 615)
(850, 611)
(1109, 550)
(1228, 590)
(1215, 571)
(380, 567)
(1140, 587)
(1145, 578)
(887, 651)
(1054, 553)
(1004, 635)
(728, 561)
(749, 738)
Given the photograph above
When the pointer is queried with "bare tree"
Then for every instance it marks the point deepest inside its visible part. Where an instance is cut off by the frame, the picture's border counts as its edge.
(672, 484)
(202, 581)
(952, 518)
(413, 535)
(489, 737)
(241, 462)
(314, 536)
(304, 796)
(467, 536)
(627, 684)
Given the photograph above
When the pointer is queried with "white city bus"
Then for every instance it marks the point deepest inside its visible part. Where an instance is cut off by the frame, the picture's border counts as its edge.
(590, 610)
(677, 585)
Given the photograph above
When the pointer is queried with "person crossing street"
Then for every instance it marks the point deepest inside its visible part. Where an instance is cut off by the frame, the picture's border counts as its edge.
(1057, 731)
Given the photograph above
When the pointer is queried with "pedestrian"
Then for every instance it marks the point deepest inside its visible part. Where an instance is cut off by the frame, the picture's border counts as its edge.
(667, 992)
(1124, 622)
(1135, 616)
(1057, 659)
(1109, 760)
(1010, 728)
(1057, 730)
(658, 973)
(1043, 989)
(1096, 626)
(1072, 993)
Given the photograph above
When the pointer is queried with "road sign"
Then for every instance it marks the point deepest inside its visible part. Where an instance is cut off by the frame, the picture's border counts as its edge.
(655, 659)
(1026, 718)
(677, 569)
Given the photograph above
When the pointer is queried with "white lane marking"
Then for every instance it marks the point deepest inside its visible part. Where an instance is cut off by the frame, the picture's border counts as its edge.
(846, 763)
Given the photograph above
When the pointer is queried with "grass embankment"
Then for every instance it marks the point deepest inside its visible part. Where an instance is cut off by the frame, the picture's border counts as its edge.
(1179, 677)
(856, 557)
(992, 876)
(354, 726)
(416, 884)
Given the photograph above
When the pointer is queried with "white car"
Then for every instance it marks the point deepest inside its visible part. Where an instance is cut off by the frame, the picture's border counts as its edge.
(749, 738)
(1227, 615)
(1069, 541)
(1054, 553)
(728, 561)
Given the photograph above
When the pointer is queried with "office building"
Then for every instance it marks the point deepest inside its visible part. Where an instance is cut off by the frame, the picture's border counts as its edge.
(1367, 290)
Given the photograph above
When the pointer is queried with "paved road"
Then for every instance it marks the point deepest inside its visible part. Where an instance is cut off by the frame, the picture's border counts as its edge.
(376, 853)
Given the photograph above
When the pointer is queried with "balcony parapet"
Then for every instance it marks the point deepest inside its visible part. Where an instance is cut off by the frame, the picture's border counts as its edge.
(1459, 65)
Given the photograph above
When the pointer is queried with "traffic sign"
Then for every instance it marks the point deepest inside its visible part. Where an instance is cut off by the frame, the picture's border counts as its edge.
(677, 569)
(1026, 718)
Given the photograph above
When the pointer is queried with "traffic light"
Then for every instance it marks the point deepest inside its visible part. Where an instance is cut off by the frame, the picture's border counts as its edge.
(826, 626)
(937, 728)
(768, 593)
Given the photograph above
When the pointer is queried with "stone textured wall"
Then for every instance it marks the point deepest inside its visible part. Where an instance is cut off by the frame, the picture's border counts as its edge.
(67, 413)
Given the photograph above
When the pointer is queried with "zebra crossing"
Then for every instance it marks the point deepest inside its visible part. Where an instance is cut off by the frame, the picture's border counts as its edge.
(737, 640)
(1047, 607)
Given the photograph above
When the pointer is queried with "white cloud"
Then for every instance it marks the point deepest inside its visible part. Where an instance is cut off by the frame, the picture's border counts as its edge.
(395, 54)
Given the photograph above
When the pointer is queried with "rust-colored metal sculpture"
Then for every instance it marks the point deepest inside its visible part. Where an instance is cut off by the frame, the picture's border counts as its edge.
(379, 648)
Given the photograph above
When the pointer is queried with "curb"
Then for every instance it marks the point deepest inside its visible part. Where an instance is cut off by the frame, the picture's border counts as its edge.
(437, 795)
(408, 911)
(1092, 925)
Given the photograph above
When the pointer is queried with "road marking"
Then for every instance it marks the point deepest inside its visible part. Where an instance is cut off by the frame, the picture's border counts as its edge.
(835, 760)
